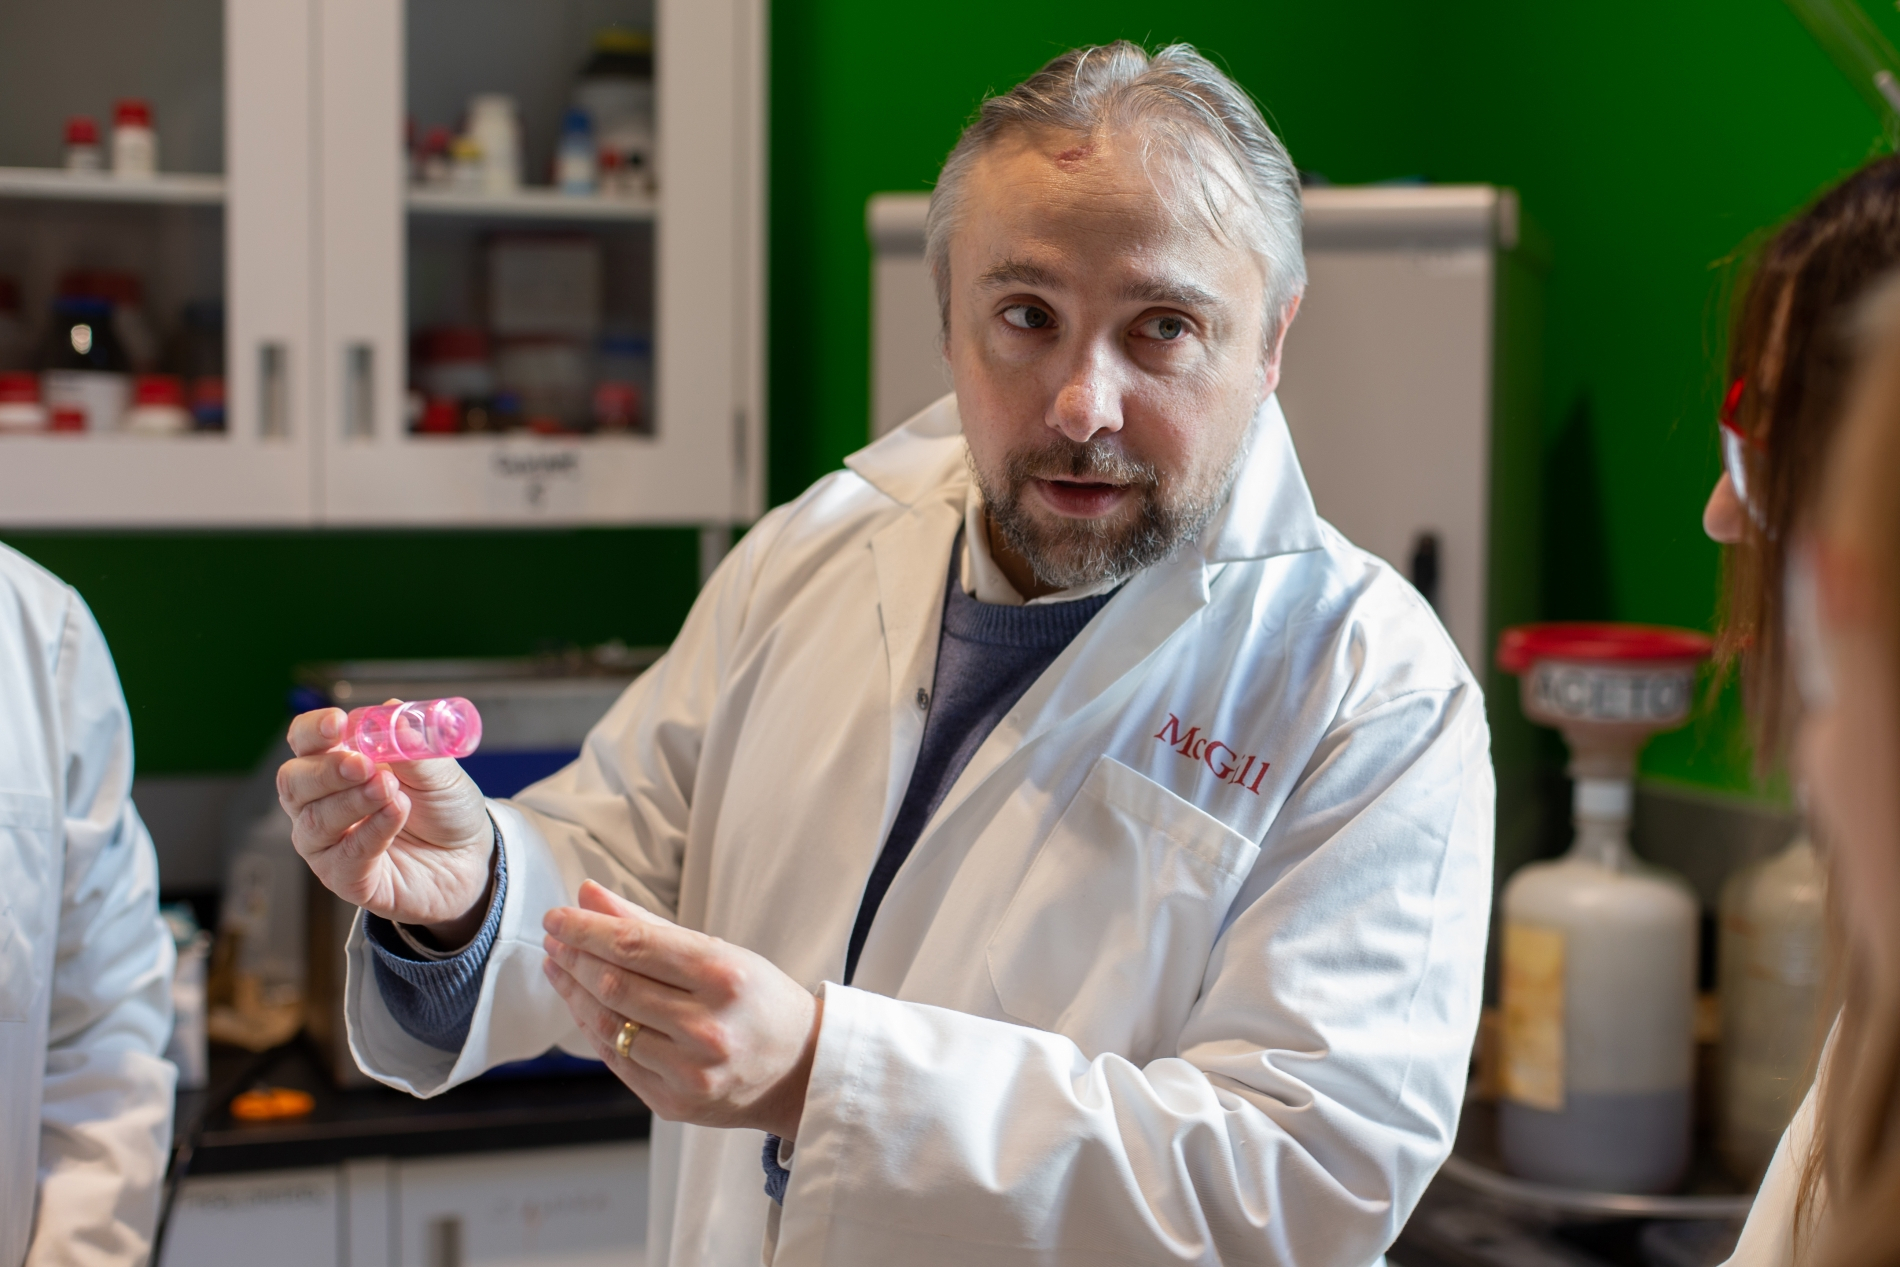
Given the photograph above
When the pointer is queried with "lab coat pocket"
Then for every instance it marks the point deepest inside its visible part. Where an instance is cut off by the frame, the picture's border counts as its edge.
(1107, 939)
(26, 827)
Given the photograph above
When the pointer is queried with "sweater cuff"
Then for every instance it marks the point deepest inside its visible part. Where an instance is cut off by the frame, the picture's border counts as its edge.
(434, 999)
(777, 1176)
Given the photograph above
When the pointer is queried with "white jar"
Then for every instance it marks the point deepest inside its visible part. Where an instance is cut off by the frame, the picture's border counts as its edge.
(1599, 968)
(134, 143)
(1769, 968)
(99, 396)
(495, 126)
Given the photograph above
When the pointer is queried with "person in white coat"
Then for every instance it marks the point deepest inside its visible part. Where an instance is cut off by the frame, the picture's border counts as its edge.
(1047, 840)
(85, 961)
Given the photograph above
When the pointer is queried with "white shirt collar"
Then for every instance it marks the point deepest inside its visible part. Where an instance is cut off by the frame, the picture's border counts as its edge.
(985, 582)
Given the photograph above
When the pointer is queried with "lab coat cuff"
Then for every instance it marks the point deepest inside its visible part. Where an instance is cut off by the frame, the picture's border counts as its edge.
(512, 985)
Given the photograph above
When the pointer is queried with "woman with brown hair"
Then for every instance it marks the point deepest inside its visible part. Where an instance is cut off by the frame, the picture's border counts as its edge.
(1790, 365)
(1844, 649)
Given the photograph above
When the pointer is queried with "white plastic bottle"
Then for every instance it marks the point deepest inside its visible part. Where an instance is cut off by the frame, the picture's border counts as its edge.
(1599, 1007)
(1770, 972)
(82, 145)
(494, 125)
(134, 143)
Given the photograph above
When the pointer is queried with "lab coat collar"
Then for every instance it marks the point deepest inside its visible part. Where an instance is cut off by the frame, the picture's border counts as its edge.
(1270, 511)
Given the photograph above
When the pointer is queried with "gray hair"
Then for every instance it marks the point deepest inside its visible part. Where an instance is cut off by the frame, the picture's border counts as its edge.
(1177, 98)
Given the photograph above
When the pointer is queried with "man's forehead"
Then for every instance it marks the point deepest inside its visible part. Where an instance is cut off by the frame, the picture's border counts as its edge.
(1038, 204)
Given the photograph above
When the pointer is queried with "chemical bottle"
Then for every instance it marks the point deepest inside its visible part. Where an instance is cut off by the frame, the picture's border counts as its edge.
(615, 90)
(20, 407)
(1599, 949)
(196, 354)
(84, 372)
(134, 143)
(1599, 1011)
(1769, 968)
(158, 406)
(82, 145)
(574, 163)
(495, 127)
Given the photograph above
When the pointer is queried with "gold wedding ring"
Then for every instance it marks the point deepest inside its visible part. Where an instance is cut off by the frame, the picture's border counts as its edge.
(624, 1039)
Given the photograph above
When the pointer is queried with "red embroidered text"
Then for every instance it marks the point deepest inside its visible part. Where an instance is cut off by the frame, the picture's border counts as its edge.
(1228, 766)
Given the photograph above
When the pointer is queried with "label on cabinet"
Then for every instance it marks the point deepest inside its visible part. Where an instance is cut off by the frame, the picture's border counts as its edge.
(1533, 990)
(535, 482)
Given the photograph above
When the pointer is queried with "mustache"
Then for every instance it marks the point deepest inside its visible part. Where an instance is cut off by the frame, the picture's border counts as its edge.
(1096, 463)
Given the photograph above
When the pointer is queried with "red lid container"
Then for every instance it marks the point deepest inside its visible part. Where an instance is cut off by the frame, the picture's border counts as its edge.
(81, 130)
(158, 389)
(19, 389)
(1598, 641)
(440, 418)
(67, 418)
(132, 112)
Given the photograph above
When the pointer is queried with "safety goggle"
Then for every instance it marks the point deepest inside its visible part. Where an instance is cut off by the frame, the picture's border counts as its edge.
(1737, 444)
(1808, 659)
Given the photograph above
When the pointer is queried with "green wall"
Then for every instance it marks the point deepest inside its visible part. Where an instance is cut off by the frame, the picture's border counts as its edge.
(1650, 141)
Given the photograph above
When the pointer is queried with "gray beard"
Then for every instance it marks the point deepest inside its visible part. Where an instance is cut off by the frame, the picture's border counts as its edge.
(1083, 552)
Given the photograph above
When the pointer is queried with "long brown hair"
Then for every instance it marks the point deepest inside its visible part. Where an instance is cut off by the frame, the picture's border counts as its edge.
(1790, 349)
(1858, 1107)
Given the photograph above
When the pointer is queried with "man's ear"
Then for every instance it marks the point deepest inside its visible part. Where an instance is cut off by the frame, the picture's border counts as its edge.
(1270, 356)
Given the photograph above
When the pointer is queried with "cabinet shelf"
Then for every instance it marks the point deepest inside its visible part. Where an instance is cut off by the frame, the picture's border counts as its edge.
(54, 184)
(529, 204)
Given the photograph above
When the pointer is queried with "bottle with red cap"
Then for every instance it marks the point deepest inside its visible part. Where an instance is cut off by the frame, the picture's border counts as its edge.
(158, 406)
(82, 145)
(1598, 979)
(134, 143)
(20, 407)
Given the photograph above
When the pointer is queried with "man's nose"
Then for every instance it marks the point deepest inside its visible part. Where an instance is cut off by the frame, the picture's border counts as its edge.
(1089, 400)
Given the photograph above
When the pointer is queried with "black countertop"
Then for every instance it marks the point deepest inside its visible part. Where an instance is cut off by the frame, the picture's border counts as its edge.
(482, 1116)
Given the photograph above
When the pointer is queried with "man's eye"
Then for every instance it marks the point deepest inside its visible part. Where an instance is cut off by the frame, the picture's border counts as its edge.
(1025, 316)
(1164, 328)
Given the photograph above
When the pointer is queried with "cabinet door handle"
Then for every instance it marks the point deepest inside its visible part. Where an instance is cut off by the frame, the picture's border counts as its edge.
(273, 390)
(359, 391)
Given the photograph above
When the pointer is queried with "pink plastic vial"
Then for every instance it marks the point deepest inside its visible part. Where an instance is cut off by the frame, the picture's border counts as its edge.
(410, 732)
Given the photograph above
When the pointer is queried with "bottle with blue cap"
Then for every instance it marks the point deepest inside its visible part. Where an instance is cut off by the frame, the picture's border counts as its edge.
(575, 168)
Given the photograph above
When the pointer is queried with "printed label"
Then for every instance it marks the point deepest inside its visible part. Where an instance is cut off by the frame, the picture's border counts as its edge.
(1657, 697)
(1534, 1016)
(1226, 764)
(535, 481)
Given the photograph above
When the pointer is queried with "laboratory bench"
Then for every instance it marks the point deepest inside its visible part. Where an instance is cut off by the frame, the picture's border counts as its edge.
(550, 1168)
(488, 1115)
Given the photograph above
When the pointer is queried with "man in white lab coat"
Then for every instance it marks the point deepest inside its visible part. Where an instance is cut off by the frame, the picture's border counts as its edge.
(1047, 841)
(85, 961)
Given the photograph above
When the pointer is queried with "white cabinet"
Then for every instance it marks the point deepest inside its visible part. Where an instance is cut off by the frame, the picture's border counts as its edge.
(328, 260)
(584, 1206)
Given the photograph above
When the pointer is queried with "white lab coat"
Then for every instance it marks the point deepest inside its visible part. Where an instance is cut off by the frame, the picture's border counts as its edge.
(85, 962)
(1186, 967)
(1768, 1237)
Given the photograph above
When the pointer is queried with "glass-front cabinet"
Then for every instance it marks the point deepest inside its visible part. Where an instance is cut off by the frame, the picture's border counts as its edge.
(373, 262)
